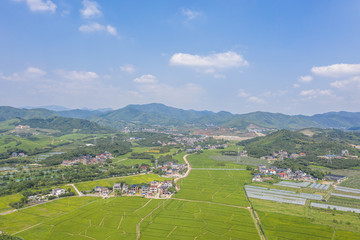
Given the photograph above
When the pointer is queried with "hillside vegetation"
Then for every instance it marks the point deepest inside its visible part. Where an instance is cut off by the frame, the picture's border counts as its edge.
(66, 125)
(159, 114)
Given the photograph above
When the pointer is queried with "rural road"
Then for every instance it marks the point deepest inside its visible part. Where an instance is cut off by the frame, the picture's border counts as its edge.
(186, 174)
(77, 191)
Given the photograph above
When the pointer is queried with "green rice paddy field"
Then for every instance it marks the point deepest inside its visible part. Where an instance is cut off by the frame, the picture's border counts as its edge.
(219, 186)
(6, 200)
(210, 205)
(117, 218)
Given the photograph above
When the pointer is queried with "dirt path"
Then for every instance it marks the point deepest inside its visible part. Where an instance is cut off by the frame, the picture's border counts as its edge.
(7, 212)
(186, 174)
(76, 190)
(215, 203)
(138, 225)
(143, 205)
(256, 219)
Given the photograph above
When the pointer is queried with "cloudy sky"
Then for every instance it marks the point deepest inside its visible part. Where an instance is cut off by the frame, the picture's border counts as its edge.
(294, 57)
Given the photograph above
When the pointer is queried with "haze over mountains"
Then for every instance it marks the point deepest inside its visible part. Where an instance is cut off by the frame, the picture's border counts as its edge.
(159, 114)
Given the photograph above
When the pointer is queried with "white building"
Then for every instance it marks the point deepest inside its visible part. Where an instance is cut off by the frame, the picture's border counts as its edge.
(58, 191)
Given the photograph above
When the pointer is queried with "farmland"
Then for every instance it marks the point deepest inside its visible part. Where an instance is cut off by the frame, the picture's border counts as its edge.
(211, 204)
(305, 221)
(189, 220)
(215, 186)
(6, 200)
(117, 218)
(22, 219)
(211, 159)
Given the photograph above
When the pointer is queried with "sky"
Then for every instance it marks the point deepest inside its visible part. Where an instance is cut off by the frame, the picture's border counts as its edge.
(292, 57)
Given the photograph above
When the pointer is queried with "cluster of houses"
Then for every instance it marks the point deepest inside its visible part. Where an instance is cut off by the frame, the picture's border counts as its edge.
(153, 189)
(86, 160)
(281, 155)
(15, 155)
(171, 168)
(39, 198)
(267, 174)
(344, 154)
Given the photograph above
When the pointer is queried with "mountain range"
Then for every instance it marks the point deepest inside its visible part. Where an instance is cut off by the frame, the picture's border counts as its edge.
(162, 115)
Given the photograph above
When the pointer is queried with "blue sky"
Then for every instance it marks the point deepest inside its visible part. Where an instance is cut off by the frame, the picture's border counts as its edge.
(294, 57)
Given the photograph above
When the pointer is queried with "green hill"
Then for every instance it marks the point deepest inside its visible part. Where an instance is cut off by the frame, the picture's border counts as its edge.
(162, 115)
(320, 143)
(66, 125)
(7, 113)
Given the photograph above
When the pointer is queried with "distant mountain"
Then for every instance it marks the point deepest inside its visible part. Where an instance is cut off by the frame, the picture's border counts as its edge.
(50, 107)
(7, 113)
(79, 113)
(337, 119)
(160, 114)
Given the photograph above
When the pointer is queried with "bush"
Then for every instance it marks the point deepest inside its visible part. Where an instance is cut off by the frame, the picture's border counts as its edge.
(4, 236)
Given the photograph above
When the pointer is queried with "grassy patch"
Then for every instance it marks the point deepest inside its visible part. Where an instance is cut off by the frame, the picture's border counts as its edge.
(6, 200)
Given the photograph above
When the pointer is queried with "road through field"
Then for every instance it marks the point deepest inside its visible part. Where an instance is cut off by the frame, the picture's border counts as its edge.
(186, 174)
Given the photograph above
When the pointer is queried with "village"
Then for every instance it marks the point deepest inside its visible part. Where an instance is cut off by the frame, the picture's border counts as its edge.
(153, 189)
(86, 160)
(267, 174)
(281, 155)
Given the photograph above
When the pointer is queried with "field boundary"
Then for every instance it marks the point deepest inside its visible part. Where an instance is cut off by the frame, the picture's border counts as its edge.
(138, 225)
(216, 203)
(256, 219)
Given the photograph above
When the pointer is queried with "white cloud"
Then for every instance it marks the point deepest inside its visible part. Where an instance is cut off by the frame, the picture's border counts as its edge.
(92, 27)
(296, 85)
(256, 100)
(128, 68)
(349, 84)
(29, 73)
(218, 60)
(78, 75)
(337, 70)
(145, 79)
(96, 27)
(315, 93)
(40, 5)
(35, 72)
(243, 93)
(111, 29)
(189, 14)
(305, 79)
(91, 9)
